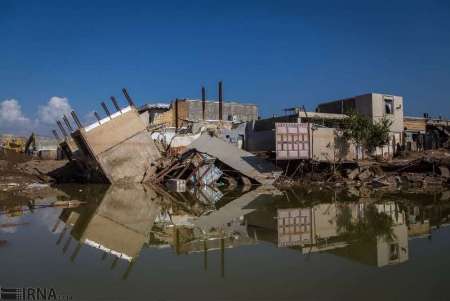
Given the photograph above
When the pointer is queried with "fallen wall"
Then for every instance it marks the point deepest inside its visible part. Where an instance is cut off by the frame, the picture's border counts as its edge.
(120, 145)
(246, 163)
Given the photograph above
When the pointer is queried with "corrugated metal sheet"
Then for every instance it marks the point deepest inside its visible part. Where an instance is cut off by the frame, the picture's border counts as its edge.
(292, 141)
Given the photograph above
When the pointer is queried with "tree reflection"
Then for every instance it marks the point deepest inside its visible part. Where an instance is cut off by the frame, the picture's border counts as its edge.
(371, 225)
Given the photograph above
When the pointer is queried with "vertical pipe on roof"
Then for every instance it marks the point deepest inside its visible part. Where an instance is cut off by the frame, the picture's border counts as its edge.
(220, 100)
(203, 103)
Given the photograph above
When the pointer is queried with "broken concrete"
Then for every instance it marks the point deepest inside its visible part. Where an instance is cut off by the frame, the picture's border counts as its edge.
(120, 145)
(260, 170)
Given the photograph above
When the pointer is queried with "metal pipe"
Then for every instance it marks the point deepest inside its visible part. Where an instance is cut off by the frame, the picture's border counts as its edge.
(97, 116)
(105, 108)
(75, 118)
(203, 102)
(176, 114)
(220, 100)
(127, 96)
(66, 121)
(61, 128)
(116, 105)
(56, 135)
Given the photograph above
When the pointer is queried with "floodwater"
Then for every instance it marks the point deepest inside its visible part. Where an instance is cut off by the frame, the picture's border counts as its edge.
(143, 243)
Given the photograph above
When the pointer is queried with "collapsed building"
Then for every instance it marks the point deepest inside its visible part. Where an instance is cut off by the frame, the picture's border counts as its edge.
(118, 146)
(123, 147)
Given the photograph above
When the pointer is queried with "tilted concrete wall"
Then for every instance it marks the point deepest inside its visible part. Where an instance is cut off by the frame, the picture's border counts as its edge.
(121, 146)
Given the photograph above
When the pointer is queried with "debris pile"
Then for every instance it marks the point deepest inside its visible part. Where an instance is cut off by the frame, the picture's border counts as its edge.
(209, 159)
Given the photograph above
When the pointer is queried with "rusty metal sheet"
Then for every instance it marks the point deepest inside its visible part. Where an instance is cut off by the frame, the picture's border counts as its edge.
(292, 141)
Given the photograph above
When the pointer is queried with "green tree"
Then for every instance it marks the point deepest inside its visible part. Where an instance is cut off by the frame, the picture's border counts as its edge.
(366, 133)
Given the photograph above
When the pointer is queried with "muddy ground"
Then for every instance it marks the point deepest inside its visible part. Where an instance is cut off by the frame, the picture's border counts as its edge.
(23, 178)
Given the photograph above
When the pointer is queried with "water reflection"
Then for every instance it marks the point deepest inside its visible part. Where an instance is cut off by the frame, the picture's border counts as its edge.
(122, 221)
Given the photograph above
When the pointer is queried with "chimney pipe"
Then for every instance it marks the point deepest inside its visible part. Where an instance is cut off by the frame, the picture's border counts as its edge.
(61, 128)
(203, 103)
(127, 96)
(220, 101)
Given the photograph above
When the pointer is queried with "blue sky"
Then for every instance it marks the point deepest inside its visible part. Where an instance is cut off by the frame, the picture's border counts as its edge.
(276, 54)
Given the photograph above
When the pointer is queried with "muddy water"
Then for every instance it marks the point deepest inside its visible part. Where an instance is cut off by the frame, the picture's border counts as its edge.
(143, 243)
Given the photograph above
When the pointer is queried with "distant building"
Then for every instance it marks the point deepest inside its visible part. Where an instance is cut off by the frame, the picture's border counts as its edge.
(183, 111)
(44, 148)
(320, 139)
(374, 106)
(148, 112)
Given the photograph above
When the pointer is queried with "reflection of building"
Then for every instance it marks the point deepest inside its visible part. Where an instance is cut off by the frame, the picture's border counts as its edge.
(323, 228)
(119, 226)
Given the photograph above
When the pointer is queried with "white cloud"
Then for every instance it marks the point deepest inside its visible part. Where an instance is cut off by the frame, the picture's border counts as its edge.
(53, 110)
(11, 112)
(12, 118)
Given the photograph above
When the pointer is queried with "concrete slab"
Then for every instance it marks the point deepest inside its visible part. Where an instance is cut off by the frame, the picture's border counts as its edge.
(248, 164)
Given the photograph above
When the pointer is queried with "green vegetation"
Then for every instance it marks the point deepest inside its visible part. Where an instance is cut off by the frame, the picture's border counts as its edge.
(374, 224)
(366, 133)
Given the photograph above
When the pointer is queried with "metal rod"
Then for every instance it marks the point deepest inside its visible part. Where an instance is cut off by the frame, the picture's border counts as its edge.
(97, 116)
(116, 105)
(75, 118)
(56, 135)
(220, 100)
(114, 263)
(222, 258)
(67, 244)
(69, 126)
(127, 96)
(105, 108)
(75, 253)
(61, 128)
(129, 268)
(203, 102)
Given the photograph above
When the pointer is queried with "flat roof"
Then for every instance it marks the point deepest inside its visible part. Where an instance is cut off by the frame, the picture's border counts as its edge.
(319, 115)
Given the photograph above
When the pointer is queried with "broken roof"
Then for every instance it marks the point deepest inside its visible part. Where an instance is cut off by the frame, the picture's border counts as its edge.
(246, 163)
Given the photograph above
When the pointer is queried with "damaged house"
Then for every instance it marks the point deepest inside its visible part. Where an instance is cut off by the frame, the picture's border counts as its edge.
(118, 146)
